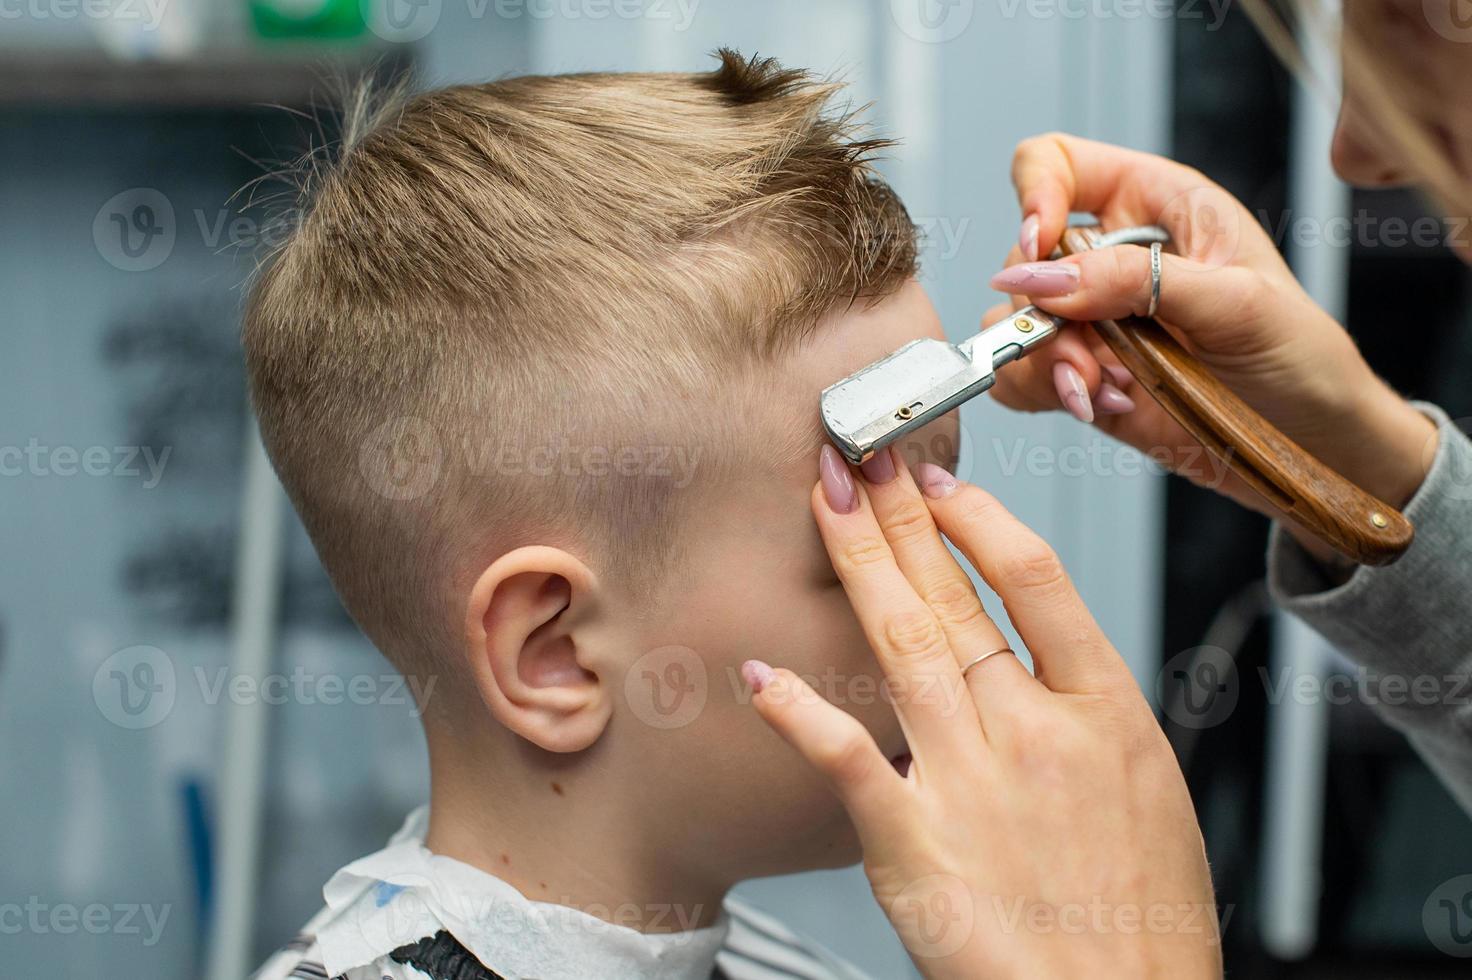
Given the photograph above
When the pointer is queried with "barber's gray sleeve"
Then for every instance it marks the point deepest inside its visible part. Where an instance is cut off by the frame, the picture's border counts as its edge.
(1409, 625)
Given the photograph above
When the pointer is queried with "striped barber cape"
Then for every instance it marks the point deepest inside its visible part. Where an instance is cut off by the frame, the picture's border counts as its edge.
(404, 913)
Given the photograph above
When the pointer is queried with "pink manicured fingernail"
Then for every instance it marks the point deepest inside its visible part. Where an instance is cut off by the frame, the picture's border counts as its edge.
(1109, 400)
(934, 481)
(1028, 238)
(1073, 391)
(757, 675)
(878, 468)
(838, 482)
(1121, 375)
(1038, 279)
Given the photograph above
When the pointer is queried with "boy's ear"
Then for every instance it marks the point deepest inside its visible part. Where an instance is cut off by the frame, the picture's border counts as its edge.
(526, 653)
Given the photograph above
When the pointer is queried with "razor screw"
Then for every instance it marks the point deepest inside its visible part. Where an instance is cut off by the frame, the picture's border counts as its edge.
(1024, 325)
(1378, 519)
(904, 414)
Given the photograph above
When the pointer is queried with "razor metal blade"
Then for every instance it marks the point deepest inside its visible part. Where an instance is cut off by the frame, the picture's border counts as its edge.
(923, 380)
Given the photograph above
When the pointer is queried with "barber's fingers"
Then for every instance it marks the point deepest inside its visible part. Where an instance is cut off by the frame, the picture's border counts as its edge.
(1037, 383)
(1070, 652)
(833, 742)
(908, 641)
(943, 586)
(1221, 308)
(1056, 174)
(1066, 373)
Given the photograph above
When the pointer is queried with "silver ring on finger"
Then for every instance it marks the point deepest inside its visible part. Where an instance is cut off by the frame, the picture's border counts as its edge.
(984, 656)
(1154, 279)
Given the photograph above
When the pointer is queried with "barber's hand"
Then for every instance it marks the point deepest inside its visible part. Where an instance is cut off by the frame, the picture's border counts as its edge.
(1044, 828)
(1229, 297)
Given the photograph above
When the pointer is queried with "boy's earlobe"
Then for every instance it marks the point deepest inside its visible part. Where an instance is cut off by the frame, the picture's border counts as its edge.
(527, 655)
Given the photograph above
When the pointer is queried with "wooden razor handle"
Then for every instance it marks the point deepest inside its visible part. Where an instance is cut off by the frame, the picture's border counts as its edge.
(1357, 525)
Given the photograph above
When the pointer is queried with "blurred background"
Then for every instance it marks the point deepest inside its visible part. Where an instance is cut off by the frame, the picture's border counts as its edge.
(193, 736)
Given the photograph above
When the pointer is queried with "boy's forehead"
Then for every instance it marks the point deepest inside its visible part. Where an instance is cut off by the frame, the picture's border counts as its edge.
(857, 337)
(847, 342)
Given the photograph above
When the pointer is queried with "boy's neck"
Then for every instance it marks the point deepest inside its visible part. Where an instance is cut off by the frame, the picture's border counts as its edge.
(562, 840)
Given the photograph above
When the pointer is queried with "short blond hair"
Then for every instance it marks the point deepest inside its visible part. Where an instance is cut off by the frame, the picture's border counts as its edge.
(503, 265)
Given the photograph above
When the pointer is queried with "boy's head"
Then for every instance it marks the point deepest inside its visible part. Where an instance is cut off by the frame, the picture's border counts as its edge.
(539, 370)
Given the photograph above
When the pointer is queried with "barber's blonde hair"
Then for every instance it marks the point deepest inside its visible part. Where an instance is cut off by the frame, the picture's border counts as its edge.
(1386, 93)
(492, 273)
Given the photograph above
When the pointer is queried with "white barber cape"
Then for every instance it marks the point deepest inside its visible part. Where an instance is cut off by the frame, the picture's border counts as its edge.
(407, 914)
